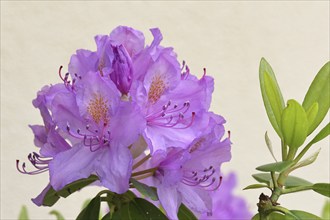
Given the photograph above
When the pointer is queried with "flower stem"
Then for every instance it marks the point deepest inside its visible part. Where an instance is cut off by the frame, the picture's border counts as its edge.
(151, 170)
(139, 163)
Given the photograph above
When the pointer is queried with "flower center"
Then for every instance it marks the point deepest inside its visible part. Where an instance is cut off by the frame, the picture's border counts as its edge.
(98, 109)
(157, 88)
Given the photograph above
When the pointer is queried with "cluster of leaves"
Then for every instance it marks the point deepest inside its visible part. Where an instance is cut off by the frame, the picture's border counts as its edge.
(293, 123)
(121, 206)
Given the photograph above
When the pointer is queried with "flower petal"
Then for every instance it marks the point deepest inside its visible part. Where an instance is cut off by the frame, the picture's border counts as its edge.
(40, 198)
(195, 198)
(170, 200)
(71, 165)
(131, 39)
(114, 168)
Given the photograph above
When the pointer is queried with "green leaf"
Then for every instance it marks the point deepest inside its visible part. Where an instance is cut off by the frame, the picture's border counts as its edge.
(51, 197)
(322, 134)
(76, 185)
(256, 186)
(271, 95)
(294, 124)
(58, 215)
(301, 215)
(23, 214)
(307, 161)
(185, 213)
(326, 210)
(107, 216)
(319, 91)
(92, 210)
(138, 209)
(269, 145)
(322, 188)
(145, 190)
(291, 181)
(311, 115)
(275, 167)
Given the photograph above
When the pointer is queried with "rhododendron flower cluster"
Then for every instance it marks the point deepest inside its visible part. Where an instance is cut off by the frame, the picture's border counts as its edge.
(130, 110)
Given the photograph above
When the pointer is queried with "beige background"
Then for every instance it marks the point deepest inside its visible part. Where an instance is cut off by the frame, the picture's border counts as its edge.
(228, 38)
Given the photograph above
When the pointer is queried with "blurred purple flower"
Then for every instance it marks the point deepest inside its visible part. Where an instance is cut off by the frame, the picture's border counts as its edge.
(226, 205)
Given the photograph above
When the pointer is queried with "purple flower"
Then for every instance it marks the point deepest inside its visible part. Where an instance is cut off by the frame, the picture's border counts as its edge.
(174, 105)
(93, 116)
(189, 175)
(113, 57)
(122, 69)
(226, 205)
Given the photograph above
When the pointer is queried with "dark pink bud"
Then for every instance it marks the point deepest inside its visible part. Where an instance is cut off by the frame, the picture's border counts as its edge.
(122, 69)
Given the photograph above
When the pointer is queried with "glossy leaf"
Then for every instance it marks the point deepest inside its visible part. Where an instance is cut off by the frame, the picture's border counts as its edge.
(52, 196)
(145, 190)
(58, 215)
(311, 115)
(255, 186)
(76, 185)
(275, 167)
(326, 210)
(325, 132)
(23, 214)
(185, 214)
(91, 211)
(319, 91)
(271, 95)
(322, 188)
(294, 124)
(301, 215)
(269, 145)
(138, 209)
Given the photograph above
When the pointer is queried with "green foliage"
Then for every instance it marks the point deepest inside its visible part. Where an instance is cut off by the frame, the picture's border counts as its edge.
(275, 167)
(256, 186)
(23, 215)
(269, 145)
(294, 124)
(319, 92)
(92, 210)
(326, 210)
(53, 196)
(291, 181)
(322, 134)
(145, 190)
(322, 188)
(57, 214)
(301, 215)
(271, 94)
(185, 213)
(138, 209)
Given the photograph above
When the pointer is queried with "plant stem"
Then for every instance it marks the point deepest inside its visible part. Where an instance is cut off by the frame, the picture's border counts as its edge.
(274, 178)
(139, 163)
(151, 170)
(302, 153)
(284, 151)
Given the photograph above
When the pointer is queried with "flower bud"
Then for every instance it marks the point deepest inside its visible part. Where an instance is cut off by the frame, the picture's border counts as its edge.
(122, 69)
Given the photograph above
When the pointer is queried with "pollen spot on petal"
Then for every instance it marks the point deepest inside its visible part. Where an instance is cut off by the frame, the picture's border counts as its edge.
(98, 108)
(196, 145)
(157, 88)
